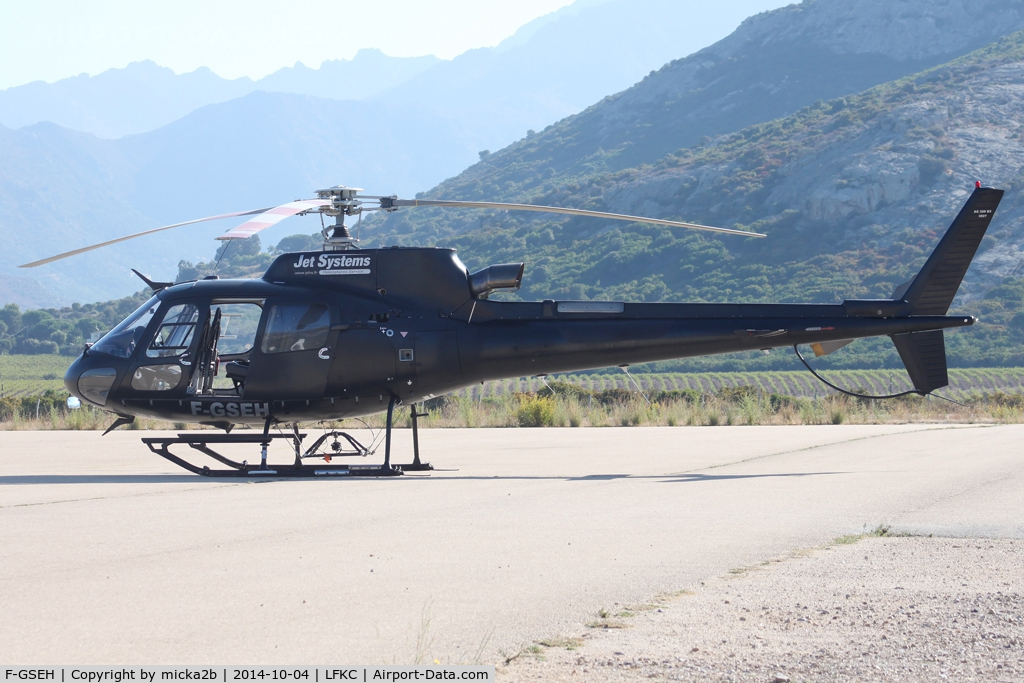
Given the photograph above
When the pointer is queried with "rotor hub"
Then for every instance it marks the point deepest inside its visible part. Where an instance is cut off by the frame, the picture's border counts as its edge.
(344, 202)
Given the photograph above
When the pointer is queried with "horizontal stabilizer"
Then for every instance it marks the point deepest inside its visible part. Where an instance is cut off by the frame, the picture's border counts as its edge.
(924, 355)
(901, 290)
(931, 292)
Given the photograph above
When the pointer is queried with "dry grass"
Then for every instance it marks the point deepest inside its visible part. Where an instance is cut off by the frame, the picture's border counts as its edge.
(571, 410)
(85, 418)
(712, 410)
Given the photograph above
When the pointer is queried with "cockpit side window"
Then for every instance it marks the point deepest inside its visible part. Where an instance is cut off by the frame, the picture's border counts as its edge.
(175, 333)
(296, 327)
(122, 340)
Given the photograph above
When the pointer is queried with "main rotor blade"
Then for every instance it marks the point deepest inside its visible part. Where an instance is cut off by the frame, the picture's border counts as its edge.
(574, 212)
(271, 217)
(138, 234)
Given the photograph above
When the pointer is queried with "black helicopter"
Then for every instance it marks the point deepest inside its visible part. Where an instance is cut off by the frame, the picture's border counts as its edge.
(346, 332)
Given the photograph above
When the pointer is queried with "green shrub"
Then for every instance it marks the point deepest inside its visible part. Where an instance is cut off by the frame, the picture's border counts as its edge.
(737, 394)
(567, 389)
(1006, 400)
(48, 402)
(614, 396)
(676, 395)
(535, 411)
(8, 406)
(777, 402)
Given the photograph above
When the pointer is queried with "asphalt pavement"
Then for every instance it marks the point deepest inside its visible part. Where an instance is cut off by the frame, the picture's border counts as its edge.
(111, 555)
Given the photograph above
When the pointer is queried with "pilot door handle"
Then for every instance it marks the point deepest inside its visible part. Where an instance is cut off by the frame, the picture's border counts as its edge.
(184, 360)
(324, 353)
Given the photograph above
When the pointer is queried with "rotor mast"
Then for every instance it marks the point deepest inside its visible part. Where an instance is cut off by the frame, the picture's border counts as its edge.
(344, 202)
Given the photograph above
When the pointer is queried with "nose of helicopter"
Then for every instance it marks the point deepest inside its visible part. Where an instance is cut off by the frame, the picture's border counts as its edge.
(90, 380)
(71, 376)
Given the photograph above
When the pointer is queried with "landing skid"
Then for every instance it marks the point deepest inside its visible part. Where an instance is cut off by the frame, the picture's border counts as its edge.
(201, 441)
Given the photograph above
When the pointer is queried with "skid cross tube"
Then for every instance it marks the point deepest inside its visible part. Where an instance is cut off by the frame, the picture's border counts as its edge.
(357, 448)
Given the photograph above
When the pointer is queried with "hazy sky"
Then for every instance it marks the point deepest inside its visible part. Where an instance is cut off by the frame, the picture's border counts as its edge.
(53, 39)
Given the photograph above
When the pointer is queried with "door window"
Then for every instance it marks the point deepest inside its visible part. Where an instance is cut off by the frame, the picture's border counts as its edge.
(175, 333)
(238, 323)
(296, 327)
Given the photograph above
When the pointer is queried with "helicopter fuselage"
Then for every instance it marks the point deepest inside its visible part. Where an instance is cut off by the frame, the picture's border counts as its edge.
(330, 335)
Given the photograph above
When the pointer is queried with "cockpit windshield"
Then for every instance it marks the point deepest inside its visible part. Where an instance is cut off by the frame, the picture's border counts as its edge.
(122, 340)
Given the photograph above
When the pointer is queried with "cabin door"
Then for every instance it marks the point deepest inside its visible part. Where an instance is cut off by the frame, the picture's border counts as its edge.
(293, 356)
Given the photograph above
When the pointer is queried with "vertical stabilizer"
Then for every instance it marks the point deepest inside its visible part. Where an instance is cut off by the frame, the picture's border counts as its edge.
(932, 290)
(924, 355)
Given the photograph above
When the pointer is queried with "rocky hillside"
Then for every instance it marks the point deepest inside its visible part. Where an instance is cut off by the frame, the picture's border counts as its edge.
(853, 192)
(855, 172)
(773, 64)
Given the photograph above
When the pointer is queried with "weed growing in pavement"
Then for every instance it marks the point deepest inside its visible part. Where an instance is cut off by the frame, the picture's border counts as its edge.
(562, 641)
(424, 639)
(478, 656)
(849, 539)
(880, 531)
(885, 531)
(604, 620)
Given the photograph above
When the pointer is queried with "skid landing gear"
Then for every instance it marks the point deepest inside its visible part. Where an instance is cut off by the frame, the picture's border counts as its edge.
(416, 465)
(201, 441)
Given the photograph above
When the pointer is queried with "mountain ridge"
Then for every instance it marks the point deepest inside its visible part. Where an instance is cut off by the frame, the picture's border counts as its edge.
(60, 189)
(773, 64)
(527, 90)
(144, 96)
